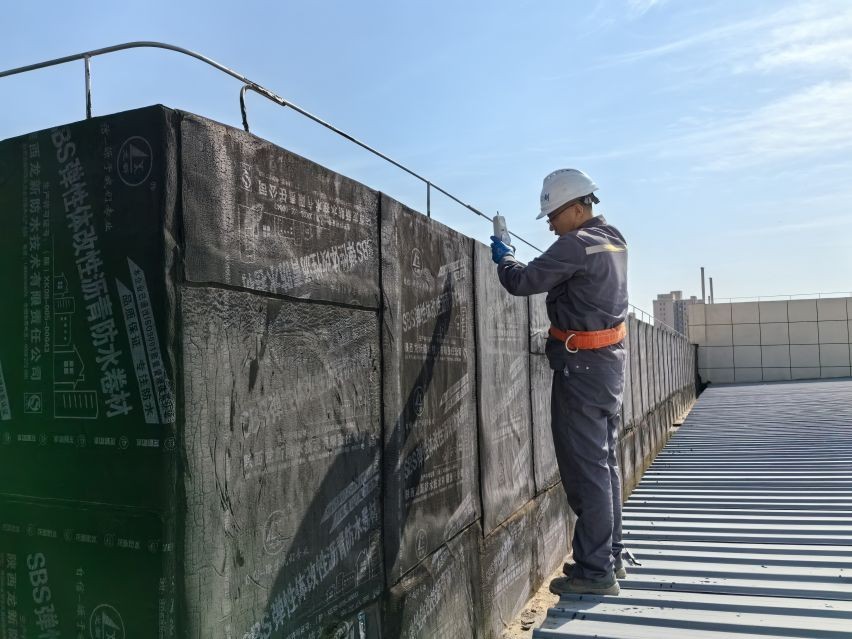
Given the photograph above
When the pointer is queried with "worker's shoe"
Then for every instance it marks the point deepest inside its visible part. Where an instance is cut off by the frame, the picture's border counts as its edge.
(620, 570)
(583, 586)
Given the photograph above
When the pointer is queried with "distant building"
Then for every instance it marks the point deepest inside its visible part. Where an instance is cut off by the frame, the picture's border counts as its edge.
(671, 309)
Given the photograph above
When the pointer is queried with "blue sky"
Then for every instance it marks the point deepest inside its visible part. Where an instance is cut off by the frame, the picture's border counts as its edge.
(720, 133)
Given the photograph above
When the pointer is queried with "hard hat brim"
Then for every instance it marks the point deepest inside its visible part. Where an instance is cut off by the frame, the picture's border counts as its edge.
(591, 195)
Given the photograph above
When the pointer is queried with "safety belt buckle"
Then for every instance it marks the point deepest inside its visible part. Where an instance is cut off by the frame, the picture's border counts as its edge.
(567, 341)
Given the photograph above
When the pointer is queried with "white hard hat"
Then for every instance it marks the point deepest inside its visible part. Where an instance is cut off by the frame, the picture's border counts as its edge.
(562, 186)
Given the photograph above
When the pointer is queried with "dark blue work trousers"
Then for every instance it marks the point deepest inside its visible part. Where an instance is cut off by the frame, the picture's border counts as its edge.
(585, 419)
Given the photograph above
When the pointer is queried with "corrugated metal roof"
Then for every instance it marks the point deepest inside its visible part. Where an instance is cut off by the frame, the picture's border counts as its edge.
(743, 525)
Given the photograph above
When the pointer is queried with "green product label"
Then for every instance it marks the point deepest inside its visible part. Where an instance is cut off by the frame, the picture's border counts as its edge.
(87, 400)
(82, 574)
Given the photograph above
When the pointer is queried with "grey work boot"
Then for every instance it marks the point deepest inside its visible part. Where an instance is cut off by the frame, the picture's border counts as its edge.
(620, 570)
(583, 586)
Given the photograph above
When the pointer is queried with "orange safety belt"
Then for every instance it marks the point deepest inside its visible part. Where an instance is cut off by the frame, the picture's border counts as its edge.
(588, 340)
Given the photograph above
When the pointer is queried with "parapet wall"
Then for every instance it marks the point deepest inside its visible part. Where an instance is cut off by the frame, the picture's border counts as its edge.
(242, 396)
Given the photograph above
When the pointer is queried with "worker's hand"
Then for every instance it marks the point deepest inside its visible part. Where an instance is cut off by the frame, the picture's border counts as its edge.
(500, 249)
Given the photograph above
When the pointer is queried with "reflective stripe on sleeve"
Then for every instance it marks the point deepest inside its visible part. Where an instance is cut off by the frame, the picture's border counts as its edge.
(604, 248)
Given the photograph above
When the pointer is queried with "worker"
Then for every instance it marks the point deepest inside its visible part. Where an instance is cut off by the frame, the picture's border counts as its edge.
(584, 273)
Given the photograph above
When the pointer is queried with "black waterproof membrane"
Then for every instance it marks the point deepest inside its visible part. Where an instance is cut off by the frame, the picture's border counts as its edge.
(283, 462)
(678, 353)
(639, 433)
(440, 597)
(657, 362)
(651, 362)
(644, 368)
(431, 474)
(267, 220)
(659, 338)
(544, 455)
(539, 323)
(503, 383)
(690, 360)
(552, 525)
(627, 398)
(645, 439)
(661, 364)
(243, 431)
(634, 330)
(363, 624)
(668, 346)
(686, 362)
(659, 341)
(627, 461)
(650, 346)
(654, 432)
(671, 346)
(508, 570)
(671, 354)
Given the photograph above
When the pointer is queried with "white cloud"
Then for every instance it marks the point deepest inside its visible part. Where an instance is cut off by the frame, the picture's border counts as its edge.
(797, 35)
(819, 36)
(809, 123)
(836, 53)
(641, 7)
(832, 222)
(806, 132)
(813, 121)
(736, 31)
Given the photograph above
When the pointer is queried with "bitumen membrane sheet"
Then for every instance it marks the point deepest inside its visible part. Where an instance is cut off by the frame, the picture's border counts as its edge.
(503, 395)
(742, 526)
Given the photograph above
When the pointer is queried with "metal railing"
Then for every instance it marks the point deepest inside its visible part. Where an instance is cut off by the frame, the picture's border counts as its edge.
(248, 85)
(644, 316)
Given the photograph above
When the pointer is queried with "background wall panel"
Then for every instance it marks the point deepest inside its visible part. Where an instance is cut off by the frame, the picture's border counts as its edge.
(786, 338)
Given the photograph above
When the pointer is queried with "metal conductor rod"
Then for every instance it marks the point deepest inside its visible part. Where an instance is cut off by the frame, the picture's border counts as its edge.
(243, 111)
(429, 184)
(88, 65)
(249, 85)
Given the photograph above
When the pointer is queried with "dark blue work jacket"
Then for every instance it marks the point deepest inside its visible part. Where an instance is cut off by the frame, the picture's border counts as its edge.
(584, 273)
